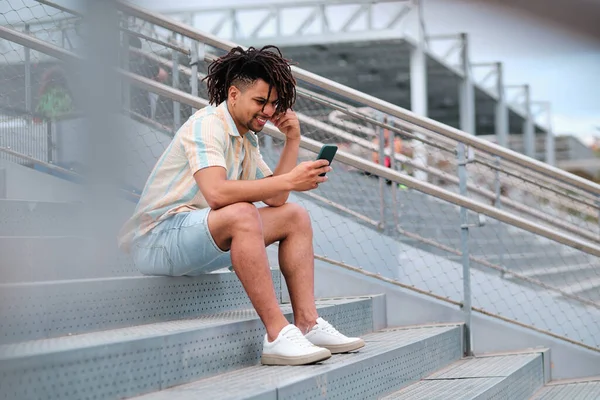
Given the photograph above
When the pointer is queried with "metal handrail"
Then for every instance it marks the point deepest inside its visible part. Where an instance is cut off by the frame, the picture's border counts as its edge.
(378, 104)
(506, 170)
(408, 161)
(384, 172)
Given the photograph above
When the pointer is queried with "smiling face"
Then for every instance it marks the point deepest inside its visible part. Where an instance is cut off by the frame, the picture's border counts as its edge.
(250, 105)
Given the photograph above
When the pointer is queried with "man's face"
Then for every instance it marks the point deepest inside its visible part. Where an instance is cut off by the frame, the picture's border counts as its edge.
(252, 106)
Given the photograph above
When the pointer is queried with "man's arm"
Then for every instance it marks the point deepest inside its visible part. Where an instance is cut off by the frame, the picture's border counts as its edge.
(289, 125)
(220, 192)
(287, 162)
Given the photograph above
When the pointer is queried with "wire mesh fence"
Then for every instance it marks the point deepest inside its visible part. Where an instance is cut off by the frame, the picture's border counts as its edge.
(371, 222)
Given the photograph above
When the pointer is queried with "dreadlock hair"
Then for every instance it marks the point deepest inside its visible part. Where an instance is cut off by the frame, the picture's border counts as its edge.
(243, 67)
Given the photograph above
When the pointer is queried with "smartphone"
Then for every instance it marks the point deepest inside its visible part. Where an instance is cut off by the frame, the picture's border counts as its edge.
(327, 152)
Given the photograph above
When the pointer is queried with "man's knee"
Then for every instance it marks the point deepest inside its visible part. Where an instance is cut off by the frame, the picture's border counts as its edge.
(297, 216)
(244, 217)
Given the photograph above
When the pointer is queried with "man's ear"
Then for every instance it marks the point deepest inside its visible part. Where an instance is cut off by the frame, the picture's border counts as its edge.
(233, 93)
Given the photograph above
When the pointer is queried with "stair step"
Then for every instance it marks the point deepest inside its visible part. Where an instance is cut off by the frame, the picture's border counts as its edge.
(50, 309)
(512, 377)
(391, 359)
(33, 218)
(141, 359)
(41, 258)
(581, 389)
(44, 218)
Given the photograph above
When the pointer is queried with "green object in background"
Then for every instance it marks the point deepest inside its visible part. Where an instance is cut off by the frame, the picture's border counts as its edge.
(54, 102)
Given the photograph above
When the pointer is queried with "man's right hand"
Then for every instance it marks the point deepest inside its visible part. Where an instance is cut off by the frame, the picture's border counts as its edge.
(305, 176)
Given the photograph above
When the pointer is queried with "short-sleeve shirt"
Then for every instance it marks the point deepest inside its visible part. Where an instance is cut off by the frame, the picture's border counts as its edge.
(208, 138)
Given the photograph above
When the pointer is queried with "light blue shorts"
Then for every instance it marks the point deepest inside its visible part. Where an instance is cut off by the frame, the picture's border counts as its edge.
(180, 245)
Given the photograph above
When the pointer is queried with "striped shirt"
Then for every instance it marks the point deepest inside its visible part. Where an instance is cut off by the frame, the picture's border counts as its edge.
(208, 138)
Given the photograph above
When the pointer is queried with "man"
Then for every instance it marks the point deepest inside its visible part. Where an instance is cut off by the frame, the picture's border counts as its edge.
(196, 213)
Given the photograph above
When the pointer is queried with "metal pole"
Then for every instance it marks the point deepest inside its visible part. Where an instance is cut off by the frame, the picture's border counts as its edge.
(467, 91)
(49, 141)
(529, 126)
(498, 204)
(381, 179)
(27, 76)
(418, 90)
(497, 184)
(194, 75)
(394, 184)
(125, 65)
(176, 104)
(502, 122)
(464, 241)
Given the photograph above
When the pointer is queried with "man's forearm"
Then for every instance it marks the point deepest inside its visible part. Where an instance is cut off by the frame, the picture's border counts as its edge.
(236, 191)
(289, 157)
(287, 162)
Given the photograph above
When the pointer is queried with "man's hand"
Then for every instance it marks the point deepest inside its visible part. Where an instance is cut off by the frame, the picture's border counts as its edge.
(305, 176)
(288, 124)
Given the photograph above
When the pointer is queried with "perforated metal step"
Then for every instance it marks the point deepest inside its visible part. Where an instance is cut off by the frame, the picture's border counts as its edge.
(36, 259)
(390, 360)
(574, 390)
(37, 218)
(50, 309)
(131, 361)
(512, 377)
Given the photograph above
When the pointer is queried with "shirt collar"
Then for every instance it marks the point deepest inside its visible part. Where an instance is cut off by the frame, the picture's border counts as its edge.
(233, 130)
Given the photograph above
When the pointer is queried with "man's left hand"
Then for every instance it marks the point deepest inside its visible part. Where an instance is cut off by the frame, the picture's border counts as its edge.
(288, 124)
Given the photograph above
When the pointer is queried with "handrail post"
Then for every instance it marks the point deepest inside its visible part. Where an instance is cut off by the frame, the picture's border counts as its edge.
(49, 141)
(464, 242)
(381, 179)
(498, 204)
(126, 87)
(194, 64)
(175, 84)
(27, 63)
(392, 146)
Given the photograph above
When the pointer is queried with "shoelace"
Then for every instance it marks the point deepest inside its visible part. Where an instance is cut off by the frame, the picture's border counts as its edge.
(327, 327)
(296, 337)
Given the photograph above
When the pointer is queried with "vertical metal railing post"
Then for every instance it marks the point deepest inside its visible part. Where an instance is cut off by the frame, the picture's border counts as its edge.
(392, 148)
(175, 84)
(464, 243)
(194, 64)
(125, 65)
(498, 204)
(27, 76)
(381, 135)
(497, 184)
(49, 141)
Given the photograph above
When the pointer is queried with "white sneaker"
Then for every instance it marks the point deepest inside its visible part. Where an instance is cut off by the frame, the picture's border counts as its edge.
(325, 335)
(291, 348)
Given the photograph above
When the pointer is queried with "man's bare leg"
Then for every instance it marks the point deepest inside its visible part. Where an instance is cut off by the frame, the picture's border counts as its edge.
(239, 228)
(290, 225)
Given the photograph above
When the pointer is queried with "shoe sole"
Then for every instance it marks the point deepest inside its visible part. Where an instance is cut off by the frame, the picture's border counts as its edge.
(271, 359)
(346, 347)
